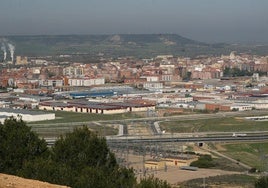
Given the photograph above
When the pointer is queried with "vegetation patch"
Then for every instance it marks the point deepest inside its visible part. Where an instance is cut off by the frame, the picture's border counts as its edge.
(73, 117)
(252, 154)
(66, 122)
(229, 124)
(204, 161)
(55, 130)
(225, 164)
(234, 180)
(78, 159)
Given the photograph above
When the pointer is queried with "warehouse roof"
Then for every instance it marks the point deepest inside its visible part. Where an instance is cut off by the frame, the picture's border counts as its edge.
(21, 111)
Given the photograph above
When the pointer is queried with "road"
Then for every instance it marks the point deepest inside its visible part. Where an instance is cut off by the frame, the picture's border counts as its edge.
(160, 139)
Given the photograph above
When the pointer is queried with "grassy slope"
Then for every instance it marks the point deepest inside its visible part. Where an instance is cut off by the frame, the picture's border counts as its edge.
(67, 121)
(214, 125)
(253, 154)
(221, 181)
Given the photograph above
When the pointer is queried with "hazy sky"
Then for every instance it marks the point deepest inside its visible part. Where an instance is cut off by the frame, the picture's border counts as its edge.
(203, 20)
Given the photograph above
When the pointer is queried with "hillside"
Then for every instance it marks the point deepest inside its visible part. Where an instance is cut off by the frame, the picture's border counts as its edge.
(137, 45)
(17, 182)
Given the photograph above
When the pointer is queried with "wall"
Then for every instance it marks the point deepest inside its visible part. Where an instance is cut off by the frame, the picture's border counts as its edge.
(31, 117)
(219, 107)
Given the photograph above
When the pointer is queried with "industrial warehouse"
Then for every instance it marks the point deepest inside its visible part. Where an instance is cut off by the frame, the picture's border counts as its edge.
(26, 115)
(98, 107)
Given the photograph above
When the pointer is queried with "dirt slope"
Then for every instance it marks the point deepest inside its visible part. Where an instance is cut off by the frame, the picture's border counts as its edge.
(9, 181)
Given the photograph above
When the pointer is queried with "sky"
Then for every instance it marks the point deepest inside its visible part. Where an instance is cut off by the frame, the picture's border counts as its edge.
(212, 21)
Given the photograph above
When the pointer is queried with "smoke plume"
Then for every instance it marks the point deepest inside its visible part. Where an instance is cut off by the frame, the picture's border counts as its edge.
(3, 48)
(12, 50)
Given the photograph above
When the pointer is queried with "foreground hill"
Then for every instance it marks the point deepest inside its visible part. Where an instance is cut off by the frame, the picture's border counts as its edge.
(137, 45)
(17, 182)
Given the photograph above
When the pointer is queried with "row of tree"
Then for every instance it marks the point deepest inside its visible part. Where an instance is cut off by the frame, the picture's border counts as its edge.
(234, 72)
(78, 159)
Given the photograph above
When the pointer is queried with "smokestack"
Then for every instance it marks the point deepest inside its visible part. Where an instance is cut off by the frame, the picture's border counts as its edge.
(3, 48)
(12, 50)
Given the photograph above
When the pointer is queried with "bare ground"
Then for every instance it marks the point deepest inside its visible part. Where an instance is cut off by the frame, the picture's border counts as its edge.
(174, 175)
(9, 181)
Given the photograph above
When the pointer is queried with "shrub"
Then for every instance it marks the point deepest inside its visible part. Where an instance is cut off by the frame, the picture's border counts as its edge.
(204, 161)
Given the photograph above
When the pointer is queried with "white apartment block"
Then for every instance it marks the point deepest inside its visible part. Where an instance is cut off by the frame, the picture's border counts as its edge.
(151, 78)
(166, 77)
(153, 85)
(73, 71)
(52, 82)
(86, 81)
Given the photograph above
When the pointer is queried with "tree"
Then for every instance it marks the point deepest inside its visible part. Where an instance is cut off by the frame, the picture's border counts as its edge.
(101, 177)
(45, 169)
(234, 72)
(152, 182)
(83, 148)
(79, 159)
(262, 182)
(18, 145)
(204, 161)
(90, 161)
(187, 76)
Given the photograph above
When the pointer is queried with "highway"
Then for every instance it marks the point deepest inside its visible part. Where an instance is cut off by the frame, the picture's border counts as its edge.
(160, 139)
(189, 139)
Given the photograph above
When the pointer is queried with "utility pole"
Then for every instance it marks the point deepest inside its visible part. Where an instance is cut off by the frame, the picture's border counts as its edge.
(143, 166)
(204, 182)
(127, 153)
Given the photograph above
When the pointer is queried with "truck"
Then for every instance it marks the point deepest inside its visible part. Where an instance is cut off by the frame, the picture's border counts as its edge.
(239, 134)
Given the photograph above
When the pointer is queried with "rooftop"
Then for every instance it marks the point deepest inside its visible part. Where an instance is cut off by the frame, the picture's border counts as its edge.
(21, 111)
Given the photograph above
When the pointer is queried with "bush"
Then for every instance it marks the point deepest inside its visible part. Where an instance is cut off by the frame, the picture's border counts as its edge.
(151, 182)
(204, 161)
(252, 170)
(262, 182)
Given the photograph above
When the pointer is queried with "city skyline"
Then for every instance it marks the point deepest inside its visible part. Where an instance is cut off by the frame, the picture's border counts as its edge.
(240, 21)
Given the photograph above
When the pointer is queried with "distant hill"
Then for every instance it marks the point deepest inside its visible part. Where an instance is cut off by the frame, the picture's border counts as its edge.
(137, 45)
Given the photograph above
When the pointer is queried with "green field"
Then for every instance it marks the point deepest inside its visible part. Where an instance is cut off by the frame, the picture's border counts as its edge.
(57, 130)
(73, 117)
(234, 180)
(252, 154)
(229, 124)
(66, 121)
